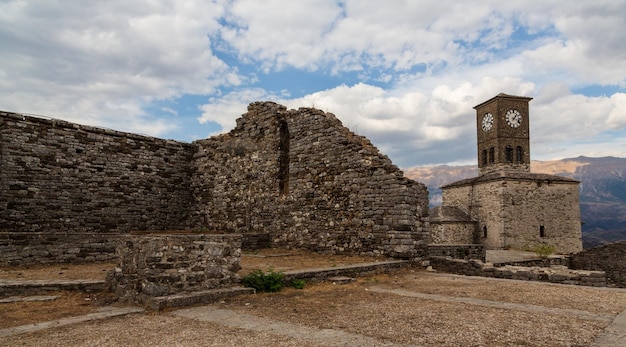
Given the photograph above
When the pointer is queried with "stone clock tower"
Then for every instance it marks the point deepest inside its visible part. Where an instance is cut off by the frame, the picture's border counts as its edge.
(507, 205)
(503, 133)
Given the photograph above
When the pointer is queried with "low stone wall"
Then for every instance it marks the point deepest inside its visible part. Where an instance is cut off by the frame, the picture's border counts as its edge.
(547, 262)
(460, 251)
(609, 258)
(165, 264)
(40, 248)
(555, 274)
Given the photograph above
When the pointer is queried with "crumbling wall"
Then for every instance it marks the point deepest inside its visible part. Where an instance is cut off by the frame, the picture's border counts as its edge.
(298, 175)
(609, 258)
(64, 177)
(308, 181)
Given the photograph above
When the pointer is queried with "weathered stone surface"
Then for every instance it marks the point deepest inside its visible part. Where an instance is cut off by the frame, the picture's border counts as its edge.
(37, 248)
(556, 274)
(57, 176)
(609, 258)
(459, 251)
(166, 264)
(297, 175)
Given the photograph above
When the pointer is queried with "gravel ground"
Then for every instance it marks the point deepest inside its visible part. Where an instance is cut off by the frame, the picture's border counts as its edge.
(356, 308)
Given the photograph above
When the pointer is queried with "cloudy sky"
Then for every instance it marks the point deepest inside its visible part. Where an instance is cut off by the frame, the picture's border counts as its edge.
(406, 74)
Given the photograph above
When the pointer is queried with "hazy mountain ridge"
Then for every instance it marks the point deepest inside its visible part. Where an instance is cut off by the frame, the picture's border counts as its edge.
(602, 190)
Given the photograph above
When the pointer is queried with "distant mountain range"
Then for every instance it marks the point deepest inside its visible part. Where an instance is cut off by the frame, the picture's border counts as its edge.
(602, 191)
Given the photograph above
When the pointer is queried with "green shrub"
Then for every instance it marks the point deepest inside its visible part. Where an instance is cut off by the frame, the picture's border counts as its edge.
(298, 283)
(543, 250)
(264, 282)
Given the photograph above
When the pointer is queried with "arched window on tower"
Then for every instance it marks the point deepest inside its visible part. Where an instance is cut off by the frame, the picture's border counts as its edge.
(492, 155)
(484, 157)
(542, 231)
(509, 154)
(519, 154)
(485, 231)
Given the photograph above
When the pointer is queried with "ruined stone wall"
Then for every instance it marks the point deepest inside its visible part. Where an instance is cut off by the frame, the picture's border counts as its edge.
(297, 175)
(235, 175)
(310, 182)
(64, 177)
(609, 258)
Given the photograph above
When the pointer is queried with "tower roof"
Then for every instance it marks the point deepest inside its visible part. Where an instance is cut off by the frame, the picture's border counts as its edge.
(512, 175)
(503, 96)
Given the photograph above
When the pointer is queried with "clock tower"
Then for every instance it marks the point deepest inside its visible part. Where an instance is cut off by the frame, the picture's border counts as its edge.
(503, 133)
(506, 205)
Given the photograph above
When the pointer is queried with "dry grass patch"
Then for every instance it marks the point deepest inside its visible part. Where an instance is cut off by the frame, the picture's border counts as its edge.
(68, 304)
(281, 260)
(57, 272)
(406, 320)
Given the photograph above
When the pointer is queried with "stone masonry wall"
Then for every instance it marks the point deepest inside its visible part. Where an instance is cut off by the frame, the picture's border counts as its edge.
(308, 181)
(514, 219)
(459, 251)
(298, 175)
(39, 248)
(609, 258)
(161, 265)
(63, 177)
(529, 205)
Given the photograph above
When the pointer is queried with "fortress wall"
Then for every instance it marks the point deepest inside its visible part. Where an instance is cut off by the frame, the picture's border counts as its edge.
(41, 248)
(297, 175)
(57, 176)
(235, 175)
(308, 181)
(345, 195)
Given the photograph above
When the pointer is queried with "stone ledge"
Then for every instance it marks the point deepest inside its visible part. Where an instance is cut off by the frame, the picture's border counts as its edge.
(193, 298)
(553, 274)
(321, 274)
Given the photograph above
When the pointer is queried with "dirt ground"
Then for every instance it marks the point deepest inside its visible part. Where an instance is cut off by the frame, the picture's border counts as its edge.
(374, 306)
(73, 303)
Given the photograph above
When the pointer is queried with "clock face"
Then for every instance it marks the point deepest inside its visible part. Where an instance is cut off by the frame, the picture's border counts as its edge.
(513, 118)
(487, 122)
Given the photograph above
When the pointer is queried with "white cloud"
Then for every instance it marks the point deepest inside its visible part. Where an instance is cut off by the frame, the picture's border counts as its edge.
(103, 62)
(617, 116)
(109, 63)
(225, 110)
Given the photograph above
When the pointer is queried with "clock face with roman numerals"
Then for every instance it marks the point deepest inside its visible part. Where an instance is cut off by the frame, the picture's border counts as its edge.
(513, 118)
